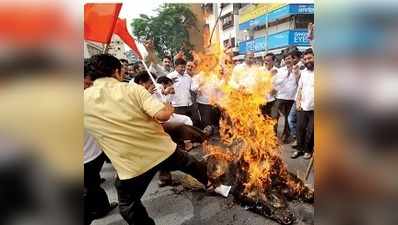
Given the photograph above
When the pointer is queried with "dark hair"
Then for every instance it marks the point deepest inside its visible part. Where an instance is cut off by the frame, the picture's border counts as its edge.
(88, 70)
(272, 56)
(167, 57)
(104, 65)
(142, 77)
(293, 54)
(164, 80)
(180, 61)
(308, 51)
(124, 61)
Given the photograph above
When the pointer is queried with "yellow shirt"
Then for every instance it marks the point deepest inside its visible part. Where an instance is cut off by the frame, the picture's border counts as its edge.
(120, 117)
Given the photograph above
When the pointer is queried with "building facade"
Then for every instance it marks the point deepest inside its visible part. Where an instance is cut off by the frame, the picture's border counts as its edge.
(116, 48)
(273, 27)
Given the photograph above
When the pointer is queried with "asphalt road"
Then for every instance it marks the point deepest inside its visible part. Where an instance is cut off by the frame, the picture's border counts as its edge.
(195, 208)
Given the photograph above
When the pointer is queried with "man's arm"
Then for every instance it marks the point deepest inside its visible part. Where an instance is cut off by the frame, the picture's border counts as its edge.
(151, 105)
(164, 114)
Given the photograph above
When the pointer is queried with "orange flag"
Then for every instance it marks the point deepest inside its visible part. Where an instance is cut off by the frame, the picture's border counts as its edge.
(100, 20)
(122, 32)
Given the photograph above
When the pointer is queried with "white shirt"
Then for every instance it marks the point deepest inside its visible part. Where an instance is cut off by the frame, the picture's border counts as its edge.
(206, 88)
(91, 148)
(305, 90)
(285, 84)
(182, 87)
(243, 75)
(175, 118)
(270, 97)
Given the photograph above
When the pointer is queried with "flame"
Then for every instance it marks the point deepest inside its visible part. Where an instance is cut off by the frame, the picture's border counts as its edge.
(246, 134)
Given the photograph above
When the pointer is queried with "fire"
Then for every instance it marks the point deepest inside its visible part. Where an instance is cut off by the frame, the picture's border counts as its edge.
(247, 136)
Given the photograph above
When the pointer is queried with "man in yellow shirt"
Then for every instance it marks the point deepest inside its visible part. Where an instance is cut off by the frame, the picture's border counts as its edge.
(124, 119)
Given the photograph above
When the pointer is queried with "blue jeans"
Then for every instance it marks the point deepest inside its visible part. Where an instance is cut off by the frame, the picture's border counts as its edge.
(292, 120)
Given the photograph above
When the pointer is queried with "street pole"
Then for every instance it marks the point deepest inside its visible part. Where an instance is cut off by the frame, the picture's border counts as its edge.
(266, 31)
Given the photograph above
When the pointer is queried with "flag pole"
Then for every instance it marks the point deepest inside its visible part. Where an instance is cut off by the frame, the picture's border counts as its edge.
(157, 86)
(106, 48)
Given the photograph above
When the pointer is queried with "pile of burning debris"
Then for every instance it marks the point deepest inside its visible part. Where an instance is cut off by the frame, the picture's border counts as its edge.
(248, 155)
(272, 202)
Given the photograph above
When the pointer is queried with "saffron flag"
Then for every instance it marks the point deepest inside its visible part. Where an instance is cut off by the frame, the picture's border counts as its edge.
(100, 20)
(122, 32)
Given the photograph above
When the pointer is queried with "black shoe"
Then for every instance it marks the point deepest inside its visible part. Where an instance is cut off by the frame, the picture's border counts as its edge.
(103, 180)
(296, 154)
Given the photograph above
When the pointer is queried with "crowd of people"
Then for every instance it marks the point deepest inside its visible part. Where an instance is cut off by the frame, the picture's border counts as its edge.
(147, 121)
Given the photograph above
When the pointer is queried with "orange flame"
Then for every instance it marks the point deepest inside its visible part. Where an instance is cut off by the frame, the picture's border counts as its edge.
(248, 135)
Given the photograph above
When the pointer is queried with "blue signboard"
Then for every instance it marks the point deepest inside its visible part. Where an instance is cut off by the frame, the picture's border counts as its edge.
(278, 40)
(302, 9)
(260, 44)
(255, 45)
(246, 46)
(298, 37)
(245, 25)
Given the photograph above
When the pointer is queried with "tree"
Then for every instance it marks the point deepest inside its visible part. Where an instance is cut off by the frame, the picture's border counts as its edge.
(168, 30)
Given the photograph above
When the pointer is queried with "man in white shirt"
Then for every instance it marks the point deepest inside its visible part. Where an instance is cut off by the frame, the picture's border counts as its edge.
(182, 99)
(243, 74)
(144, 80)
(205, 88)
(305, 108)
(286, 85)
(268, 109)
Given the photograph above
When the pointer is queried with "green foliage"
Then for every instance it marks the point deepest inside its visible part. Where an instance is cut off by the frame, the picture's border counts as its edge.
(168, 29)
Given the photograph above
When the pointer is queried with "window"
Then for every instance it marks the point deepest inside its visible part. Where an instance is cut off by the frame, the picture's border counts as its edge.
(302, 20)
(227, 21)
(225, 42)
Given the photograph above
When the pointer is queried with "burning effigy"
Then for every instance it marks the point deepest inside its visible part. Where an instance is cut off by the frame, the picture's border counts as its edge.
(248, 157)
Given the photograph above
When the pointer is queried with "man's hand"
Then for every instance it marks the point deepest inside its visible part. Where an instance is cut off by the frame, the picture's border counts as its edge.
(150, 47)
(169, 90)
(165, 114)
(274, 72)
(298, 106)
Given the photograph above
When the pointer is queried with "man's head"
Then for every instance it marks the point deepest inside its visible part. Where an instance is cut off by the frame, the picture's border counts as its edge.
(190, 68)
(167, 63)
(105, 65)
(309, 59)
(125, 64)
(249, 58)
(180, 66)
(165, 82)
(143, 79)
(269, 60)
(88, 73)
(292, 58)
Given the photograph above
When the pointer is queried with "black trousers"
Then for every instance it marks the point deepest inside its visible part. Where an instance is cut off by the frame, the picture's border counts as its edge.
(130, 191)
(206, 114)
(284, 107)
(96, 203)
(191, 112)
(305, 131)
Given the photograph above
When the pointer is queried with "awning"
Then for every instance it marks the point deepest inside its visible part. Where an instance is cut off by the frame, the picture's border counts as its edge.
(238, 57)
(279, 50)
